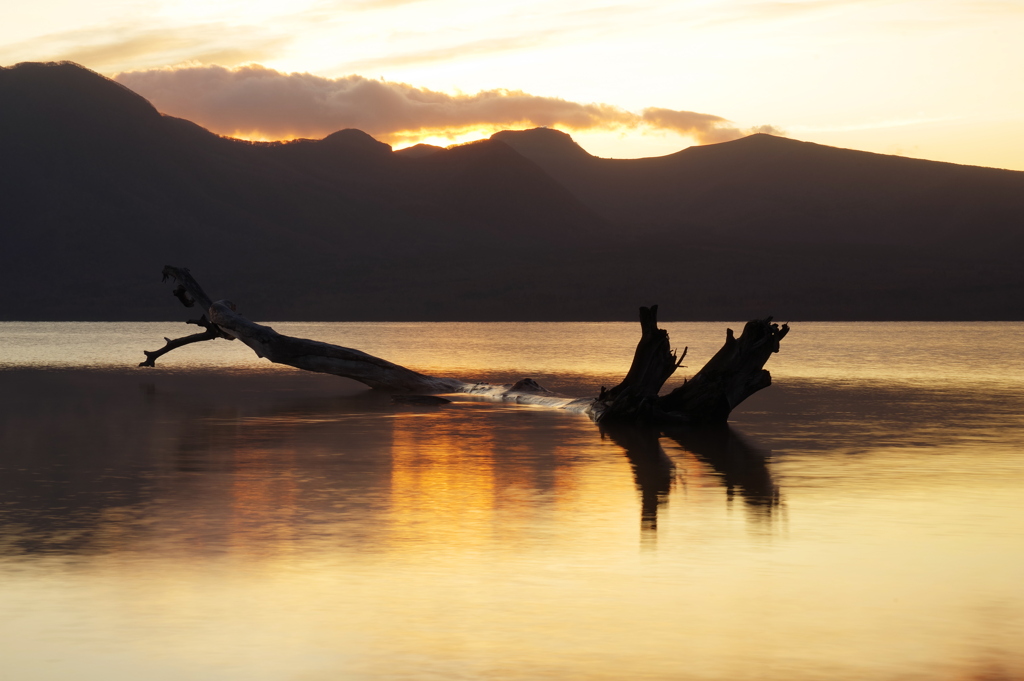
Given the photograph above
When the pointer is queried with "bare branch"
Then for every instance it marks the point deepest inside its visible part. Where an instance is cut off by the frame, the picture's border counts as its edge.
(151, 357)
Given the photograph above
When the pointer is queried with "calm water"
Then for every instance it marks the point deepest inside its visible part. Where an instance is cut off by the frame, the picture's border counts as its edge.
(219, 517)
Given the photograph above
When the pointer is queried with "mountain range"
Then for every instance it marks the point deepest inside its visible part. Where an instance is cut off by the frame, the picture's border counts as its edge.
(100, 190)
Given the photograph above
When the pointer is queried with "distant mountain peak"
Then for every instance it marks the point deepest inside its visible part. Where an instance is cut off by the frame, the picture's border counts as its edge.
(351, 139)
(419, 150)
(542, 144)
(68, 88)
(758, 140)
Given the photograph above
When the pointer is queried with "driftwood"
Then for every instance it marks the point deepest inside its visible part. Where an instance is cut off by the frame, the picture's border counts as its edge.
(733, 374)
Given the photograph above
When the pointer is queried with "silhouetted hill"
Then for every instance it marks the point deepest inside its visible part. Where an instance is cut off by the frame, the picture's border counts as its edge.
(419, 150)
(762, 187)
(553, 150)
(100, 191)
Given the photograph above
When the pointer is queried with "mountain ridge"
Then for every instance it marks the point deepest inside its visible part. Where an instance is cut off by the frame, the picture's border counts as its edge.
(699, 183)
(101, 191)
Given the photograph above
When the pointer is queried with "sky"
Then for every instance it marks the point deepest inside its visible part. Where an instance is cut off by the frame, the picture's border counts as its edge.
(934, 79)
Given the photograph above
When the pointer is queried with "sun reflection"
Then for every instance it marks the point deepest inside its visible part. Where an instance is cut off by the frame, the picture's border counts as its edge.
(459, 484)
(442, 482)
(451, 483)
(265, 503)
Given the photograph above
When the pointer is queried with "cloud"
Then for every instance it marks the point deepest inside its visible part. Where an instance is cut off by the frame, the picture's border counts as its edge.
(767, 130)
(474, 48)
(377, 4)
(257, 102)
(760, 13)
(704, 127)
(112, 46)
(164, 45)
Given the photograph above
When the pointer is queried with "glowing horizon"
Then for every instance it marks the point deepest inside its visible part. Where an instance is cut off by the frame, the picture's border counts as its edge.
(932, 80)
(447, 140)
(258, 103)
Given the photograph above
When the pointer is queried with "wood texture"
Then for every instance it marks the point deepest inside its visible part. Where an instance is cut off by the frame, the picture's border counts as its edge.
(733, 374)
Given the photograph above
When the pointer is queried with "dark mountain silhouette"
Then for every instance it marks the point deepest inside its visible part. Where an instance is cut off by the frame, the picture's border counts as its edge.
(419, 150)
(100, 191)
(787, 190)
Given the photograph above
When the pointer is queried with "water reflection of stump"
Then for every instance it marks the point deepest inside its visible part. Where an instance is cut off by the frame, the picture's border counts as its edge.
(740, 466)
(652, 468)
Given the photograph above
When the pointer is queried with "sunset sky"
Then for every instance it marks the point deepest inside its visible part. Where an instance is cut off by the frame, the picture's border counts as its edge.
(935, 79)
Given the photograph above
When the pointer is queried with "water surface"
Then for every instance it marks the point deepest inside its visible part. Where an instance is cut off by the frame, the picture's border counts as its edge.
(219, 517)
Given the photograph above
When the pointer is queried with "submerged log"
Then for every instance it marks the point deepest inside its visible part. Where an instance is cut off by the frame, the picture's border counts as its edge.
(732, 375)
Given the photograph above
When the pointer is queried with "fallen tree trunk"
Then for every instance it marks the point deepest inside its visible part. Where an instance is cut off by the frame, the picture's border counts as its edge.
(732, 375)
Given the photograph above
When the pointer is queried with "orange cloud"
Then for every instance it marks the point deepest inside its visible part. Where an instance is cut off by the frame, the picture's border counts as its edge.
(704, 127)
(257, 102)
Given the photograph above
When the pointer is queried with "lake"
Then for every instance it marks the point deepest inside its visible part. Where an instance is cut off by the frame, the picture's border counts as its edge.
(219, 517)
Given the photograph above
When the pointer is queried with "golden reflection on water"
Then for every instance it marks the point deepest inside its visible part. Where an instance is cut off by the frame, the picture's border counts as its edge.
(574, 357)
(170, 525)
(443, 487)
